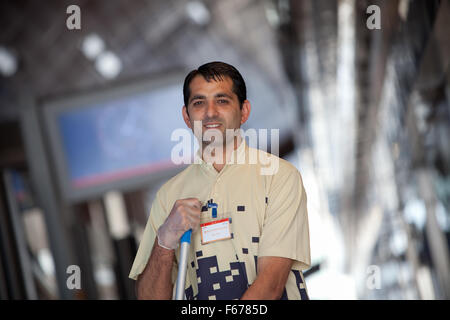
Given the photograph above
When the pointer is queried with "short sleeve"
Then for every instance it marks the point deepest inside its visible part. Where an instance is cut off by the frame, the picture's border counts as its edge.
(157, 216)
(285, 231)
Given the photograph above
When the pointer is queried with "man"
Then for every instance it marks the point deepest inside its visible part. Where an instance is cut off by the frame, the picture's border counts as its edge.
(263, 243)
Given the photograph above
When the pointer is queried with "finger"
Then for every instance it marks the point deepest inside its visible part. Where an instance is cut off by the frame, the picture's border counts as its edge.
(194, 221)
(195, 225)
(195, 228)
(194, 202)
(193, 212)
(193, 216)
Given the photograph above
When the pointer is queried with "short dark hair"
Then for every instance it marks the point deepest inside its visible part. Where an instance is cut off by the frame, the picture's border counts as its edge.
(217, 70)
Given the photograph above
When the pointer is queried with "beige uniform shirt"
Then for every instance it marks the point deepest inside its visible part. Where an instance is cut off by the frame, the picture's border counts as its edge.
(268, 217)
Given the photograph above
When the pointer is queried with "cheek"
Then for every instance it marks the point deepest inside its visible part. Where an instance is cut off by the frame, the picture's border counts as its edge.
(237, 119)
(194, 116)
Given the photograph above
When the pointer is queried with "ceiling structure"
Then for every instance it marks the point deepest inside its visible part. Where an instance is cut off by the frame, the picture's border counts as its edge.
(350, 96)
(147, 37)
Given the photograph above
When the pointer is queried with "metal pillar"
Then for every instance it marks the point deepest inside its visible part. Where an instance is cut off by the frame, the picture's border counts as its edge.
(45, 193)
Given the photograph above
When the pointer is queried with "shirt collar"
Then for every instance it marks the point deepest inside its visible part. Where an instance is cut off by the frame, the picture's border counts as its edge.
(237, 156)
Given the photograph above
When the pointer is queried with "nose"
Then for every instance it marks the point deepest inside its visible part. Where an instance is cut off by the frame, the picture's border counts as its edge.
(211, 110)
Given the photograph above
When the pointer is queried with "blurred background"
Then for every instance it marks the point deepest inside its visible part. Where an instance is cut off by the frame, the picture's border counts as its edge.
(359, 89)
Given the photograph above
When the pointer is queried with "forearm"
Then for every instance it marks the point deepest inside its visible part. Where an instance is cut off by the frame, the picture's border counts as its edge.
(271, 280)
(155, 282)
(263, 288)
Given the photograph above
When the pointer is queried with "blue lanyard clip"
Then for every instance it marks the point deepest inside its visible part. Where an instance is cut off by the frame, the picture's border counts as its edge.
(214, 208)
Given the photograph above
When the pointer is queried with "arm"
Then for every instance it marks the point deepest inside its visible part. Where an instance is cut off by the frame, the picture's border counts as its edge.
(155, 282)
(271, 280)
(284, 237)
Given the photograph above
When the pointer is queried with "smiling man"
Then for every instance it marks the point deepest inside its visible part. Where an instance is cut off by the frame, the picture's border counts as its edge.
(219, 107)
(250, 236)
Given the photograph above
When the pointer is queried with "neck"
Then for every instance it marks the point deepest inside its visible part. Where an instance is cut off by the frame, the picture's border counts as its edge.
(227, 150)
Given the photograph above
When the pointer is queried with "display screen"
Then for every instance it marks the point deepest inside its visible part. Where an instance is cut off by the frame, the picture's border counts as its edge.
(120, 138)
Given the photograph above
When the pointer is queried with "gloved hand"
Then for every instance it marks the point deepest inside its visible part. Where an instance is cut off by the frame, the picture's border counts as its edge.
(184, 215)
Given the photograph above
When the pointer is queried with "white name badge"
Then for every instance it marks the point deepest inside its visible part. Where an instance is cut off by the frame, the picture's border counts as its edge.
(215, 231)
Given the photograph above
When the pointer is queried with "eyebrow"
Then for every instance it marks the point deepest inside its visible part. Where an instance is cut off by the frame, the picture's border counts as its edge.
(197, 96)
(218, 95)
(223, 95)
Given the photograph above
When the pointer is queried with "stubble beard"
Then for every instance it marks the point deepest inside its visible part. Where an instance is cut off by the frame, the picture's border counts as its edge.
(215, 143)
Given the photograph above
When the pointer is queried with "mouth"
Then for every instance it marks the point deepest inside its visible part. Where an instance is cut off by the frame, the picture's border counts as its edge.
(212, 125)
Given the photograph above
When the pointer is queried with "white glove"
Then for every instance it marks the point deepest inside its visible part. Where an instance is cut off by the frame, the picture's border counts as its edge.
(184, 215)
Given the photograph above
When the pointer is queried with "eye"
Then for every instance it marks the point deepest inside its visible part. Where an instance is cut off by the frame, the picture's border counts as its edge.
(222, 101)
(197, 103)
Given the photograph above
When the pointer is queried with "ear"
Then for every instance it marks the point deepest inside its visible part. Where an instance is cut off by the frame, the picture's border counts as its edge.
(245, 112)
(186, 117)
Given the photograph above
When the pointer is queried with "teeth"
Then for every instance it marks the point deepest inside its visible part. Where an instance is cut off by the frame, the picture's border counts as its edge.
(212, 125)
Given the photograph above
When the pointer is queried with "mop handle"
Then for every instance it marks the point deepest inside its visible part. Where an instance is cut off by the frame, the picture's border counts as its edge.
(182, 267)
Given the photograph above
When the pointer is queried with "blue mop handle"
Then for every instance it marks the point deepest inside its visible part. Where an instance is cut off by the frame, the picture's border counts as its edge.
(182, 267)
(186, 237)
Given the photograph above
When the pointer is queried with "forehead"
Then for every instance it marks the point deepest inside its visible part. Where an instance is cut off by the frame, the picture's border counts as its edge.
(199, 85)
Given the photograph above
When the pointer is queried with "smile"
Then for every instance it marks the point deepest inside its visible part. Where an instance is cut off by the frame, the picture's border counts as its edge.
(212, 125)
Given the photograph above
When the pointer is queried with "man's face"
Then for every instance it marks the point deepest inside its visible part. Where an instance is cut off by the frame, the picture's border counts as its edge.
(214, 104)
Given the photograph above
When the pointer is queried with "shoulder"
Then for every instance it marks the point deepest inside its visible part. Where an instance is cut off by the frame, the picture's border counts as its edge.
(278, 174)
(275, 166)
(286, 168)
